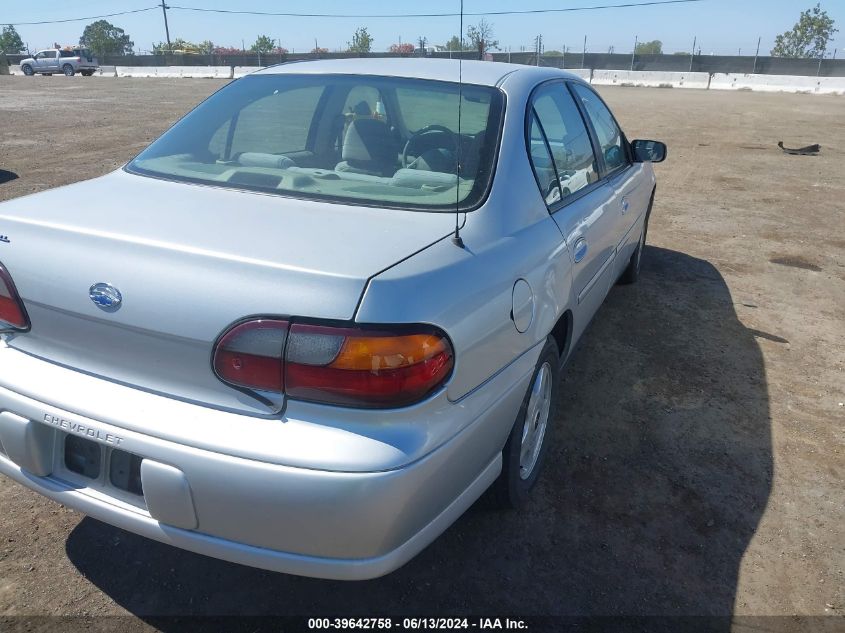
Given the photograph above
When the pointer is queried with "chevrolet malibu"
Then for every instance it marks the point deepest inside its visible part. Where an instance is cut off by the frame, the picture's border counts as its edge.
(311, 324)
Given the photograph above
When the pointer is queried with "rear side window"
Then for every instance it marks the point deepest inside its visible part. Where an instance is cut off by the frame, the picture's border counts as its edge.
(556, 127)
(610, 137)
(542, 162)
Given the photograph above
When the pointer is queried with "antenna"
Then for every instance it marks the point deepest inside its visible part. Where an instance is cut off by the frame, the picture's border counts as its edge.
(456, 238)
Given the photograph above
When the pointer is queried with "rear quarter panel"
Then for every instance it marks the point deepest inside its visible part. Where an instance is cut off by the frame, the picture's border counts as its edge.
(469, 291)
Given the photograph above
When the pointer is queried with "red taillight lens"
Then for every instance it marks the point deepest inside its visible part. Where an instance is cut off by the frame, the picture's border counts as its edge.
(351, 366)
(251, 355)
(365, 367)
(13, 316)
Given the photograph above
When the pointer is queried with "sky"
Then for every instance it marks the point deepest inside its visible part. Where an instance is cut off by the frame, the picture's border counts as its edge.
(722, 27)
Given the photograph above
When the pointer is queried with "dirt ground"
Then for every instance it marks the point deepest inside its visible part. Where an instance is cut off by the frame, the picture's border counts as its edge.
(698, 458)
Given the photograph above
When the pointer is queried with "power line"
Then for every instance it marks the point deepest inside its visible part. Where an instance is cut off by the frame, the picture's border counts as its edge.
(435, 15)
(90, 17)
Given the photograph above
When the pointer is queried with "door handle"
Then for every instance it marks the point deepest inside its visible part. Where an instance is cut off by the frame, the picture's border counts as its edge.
(580, 250)
(625, 205)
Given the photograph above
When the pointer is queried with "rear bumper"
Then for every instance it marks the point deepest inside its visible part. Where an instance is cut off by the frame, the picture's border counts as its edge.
(237, 552)
(293, 519)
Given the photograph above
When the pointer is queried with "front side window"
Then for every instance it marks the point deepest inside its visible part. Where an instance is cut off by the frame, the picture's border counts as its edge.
(380, 141)
(556, 125)
(610, 137)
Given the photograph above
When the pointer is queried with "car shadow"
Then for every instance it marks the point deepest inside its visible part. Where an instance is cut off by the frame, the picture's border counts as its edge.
(659, 470)
(7, 176)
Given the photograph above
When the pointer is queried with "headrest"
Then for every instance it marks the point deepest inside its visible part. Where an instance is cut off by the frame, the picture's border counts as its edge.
(369, 140)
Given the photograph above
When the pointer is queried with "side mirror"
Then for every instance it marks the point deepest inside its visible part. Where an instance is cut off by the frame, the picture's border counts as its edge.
(649, 151)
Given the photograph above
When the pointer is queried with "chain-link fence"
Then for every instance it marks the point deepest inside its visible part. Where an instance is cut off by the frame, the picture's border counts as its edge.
(595, 61)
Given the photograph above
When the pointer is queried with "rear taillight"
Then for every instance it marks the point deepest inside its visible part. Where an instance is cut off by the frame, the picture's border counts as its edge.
(13, 317)
(360, 366)
(365, 367)
(250, 355)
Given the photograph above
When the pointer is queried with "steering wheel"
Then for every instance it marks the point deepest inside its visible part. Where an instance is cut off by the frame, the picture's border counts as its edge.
(429, 130)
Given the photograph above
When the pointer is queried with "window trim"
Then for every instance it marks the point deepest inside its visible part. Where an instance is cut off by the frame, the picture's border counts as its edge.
(626, 146)
(529, 110)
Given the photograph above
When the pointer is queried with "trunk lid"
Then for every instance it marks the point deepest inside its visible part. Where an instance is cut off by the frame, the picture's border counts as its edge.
(188, 261)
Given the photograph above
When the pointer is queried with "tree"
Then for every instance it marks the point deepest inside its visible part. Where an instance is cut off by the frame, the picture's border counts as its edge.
(808, 38)
(206, 47)
(10, 41)
(362, 41)
(319, 50)
(655, 47)
(227, 50)
(481, 37)
(263, 45)
(105, 38)
(178, 45)
(402, 49)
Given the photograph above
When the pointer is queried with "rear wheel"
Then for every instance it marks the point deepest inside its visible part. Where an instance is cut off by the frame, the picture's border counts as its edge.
(67, 69)
(27, 70)
(522, 457)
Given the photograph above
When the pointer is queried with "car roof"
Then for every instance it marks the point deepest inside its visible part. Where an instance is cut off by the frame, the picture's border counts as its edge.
(471, 71)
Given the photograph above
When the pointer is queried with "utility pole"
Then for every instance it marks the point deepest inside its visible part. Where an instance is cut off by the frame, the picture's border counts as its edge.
(584, 52)
(634, 54)
(692, 55)
(756, 55)
(563, 57)
(164, 9)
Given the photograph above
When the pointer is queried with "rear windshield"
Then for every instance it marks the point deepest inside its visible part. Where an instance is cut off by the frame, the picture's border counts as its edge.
(378, 141)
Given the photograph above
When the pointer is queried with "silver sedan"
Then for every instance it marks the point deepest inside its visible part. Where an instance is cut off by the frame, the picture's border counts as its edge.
(311, 324)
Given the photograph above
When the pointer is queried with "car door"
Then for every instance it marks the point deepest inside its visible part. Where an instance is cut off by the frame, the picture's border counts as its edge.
(41, 62)
(567, 172)
(631, 186)
(51, 61)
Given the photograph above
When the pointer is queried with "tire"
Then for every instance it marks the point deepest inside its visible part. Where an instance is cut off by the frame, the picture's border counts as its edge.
(520, 472)
(67, 69)
(27, 70)
(632, 272)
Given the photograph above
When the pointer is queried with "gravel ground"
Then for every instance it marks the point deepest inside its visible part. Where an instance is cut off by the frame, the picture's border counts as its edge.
(696, 464)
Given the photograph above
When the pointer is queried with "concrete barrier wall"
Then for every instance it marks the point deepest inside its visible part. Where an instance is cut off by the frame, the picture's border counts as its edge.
(240, 71)
(583, 73)
(650, 79)
(216, 72)
(778, 83)
(717, 81)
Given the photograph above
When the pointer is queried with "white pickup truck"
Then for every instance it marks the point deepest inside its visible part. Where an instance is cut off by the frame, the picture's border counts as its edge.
(67, 61)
